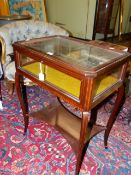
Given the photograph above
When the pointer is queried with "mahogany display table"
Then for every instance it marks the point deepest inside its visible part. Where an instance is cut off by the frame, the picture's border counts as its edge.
(79, 72)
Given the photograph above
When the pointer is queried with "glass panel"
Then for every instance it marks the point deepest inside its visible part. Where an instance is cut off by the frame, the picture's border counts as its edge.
(106, 81)
(79, 55)
(50, 75)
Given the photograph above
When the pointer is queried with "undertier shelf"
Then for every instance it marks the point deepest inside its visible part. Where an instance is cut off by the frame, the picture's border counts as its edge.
(68, 124)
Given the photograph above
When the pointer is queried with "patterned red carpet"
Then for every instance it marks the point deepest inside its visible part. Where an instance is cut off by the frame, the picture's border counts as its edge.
(44, 151)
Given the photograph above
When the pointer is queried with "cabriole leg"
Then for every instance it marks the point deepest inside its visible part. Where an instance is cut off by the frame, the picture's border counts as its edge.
(117, 105)
(21, 92)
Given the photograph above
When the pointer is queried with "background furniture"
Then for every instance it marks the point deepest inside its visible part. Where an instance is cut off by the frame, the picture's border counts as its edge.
(10, 18)
(14, 17)
(17, 31)
(80, 16)
(105, 17)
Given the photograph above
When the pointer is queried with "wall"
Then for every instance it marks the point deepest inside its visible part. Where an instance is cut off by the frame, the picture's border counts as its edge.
(77, 16)
(90, 19)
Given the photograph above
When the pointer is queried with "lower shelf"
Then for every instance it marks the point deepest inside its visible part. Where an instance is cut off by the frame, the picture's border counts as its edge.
(68, 124)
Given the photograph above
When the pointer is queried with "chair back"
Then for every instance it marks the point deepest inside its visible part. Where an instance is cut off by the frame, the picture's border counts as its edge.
(25, 30)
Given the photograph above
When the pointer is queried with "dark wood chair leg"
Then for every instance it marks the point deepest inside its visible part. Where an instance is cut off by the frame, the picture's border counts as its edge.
(1, 107)
(0, 91)
(24, 97)
(21, 92)
(117, 105)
